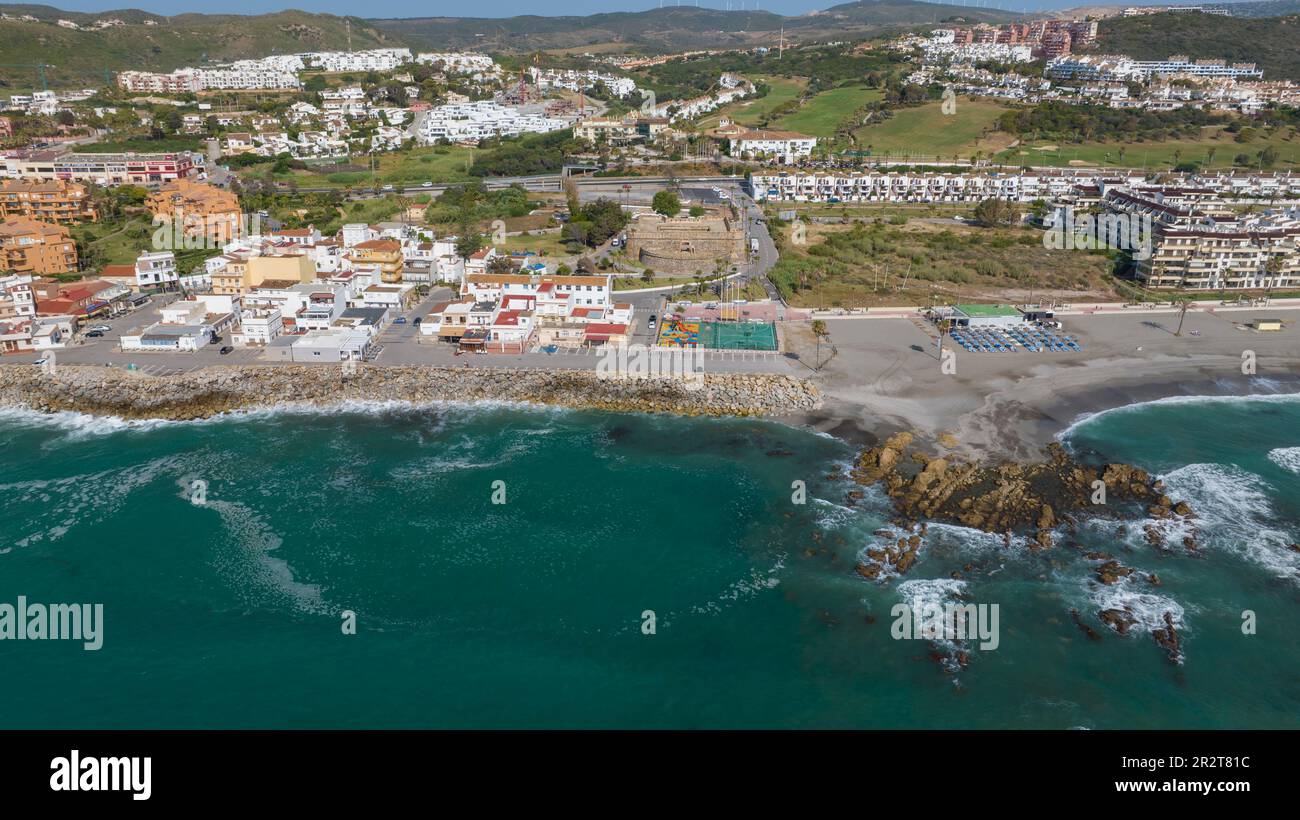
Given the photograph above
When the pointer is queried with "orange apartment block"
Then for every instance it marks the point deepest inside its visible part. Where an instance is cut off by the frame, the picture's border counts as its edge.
(28, 246)
(67, 203)
(204, 210)
(382, 255)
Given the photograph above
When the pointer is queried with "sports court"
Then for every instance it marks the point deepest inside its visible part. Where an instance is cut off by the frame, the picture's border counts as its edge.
(718, 335)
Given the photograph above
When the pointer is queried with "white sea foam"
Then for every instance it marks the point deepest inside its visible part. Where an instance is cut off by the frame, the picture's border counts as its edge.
(922, 592)
(1233, 513)
(1288, 458)
(85, 425)
(252, 568)
(1088, 418)
(1145, 607)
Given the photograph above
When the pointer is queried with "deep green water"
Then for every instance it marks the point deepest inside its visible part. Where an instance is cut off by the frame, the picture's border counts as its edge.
(528, 613)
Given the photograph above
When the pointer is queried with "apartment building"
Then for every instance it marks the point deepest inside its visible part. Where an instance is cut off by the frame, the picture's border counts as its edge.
(481, 120)
(59, 201)
(922, 187)
(40, 248)
(781, 146)
(156, 269)
(202, 210)
(382, 259)
(101, 169)
(584, 291)
(378, 59)
(458, 62)
(620, 130)
(17, 300)
(1200, 244)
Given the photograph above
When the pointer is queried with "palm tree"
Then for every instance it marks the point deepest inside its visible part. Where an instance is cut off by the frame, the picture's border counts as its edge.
(819, 332)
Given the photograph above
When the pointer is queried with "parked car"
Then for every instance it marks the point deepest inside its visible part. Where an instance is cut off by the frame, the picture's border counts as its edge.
(94, 334)
(100, 328)
(215, 340)
(417, 320)
(226, 349)
(400, 320)
(387, 187)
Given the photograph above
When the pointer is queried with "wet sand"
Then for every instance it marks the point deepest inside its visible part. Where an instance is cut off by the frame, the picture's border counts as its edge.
(886, 376)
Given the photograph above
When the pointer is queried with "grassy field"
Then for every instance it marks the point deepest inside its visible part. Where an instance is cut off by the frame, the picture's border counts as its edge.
(443, 164)
(121, 241)
(1215, 149)
(753, 111)
(927, 131)
(860, 266)
(820, 116)
(547, 245)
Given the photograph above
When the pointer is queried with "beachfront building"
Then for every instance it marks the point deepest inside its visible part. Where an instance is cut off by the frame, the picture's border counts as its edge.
(328, 346)
(1198, 243)
(187, 324)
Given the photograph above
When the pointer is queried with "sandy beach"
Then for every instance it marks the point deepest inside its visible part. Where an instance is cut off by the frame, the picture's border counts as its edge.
(885, 376)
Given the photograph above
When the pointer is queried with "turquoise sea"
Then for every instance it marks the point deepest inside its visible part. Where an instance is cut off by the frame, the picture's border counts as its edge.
(530, 613)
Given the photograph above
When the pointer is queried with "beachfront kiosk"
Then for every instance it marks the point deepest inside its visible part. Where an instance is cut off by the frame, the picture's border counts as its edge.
(986, 316)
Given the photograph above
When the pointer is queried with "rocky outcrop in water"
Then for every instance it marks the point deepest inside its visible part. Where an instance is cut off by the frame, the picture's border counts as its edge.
(213, 390)
(1008, 496)
(1034, 498)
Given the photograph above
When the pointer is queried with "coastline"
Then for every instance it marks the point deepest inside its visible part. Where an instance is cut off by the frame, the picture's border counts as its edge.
(1011, 406)
(224, 389)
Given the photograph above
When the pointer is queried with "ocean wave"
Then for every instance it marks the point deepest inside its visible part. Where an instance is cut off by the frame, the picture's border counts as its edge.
(80, 425)
(1288, 458)
(922, 592)
(1084, 419)
(1233, 512)
(1145, 607)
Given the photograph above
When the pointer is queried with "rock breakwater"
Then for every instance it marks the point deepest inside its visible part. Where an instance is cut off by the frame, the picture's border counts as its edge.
(227, 388)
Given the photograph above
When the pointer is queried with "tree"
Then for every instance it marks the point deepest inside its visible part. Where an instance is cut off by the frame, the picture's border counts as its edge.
(667, 203)
(697, 210)
(468, 240)
(502, 265)
(819, 332)
(993, 212)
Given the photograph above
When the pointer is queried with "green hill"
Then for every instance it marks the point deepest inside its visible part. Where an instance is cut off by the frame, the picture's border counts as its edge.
(154, 42)
(81, 57)
(678, 28)
(1269, 41)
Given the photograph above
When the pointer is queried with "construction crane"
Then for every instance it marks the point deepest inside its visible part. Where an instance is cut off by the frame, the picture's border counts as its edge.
(40, 67)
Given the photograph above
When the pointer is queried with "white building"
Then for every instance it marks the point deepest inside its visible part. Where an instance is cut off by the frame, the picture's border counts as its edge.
(783, 146)
(155, 269)
(378, 59)
(481, 120)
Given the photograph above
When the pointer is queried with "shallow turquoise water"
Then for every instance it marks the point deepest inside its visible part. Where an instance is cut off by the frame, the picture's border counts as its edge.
(529, 613)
